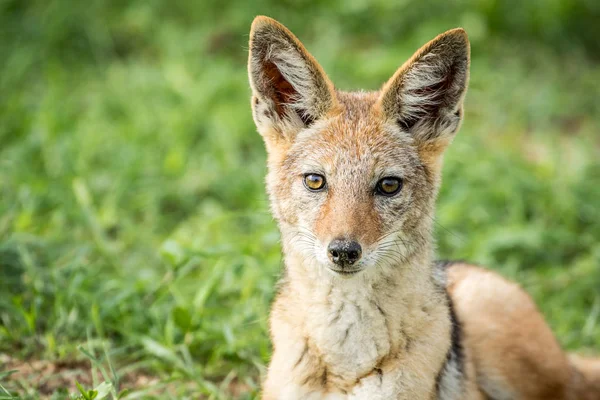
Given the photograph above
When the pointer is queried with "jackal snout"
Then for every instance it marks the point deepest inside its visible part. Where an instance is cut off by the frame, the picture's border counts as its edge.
(344, 252)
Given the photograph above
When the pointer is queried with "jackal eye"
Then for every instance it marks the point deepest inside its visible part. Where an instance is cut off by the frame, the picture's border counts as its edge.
(388, 186)
(314, 182)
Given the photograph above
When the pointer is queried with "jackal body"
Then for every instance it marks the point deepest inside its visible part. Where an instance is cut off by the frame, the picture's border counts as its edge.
(362, 311)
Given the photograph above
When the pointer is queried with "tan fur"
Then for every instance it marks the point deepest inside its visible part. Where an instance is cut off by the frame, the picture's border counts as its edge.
(512, 349)
(386, 331)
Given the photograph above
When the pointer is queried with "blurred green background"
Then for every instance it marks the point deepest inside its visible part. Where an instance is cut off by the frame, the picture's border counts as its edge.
(136, 247)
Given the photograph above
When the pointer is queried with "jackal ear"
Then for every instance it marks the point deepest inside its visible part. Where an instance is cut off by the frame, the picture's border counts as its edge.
(425, 95)
(289, 88)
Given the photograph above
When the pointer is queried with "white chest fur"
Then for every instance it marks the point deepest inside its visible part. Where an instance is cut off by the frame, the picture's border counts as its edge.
(350, 330)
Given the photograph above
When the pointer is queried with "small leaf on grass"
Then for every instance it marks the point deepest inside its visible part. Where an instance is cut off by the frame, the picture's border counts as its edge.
(87, 395)
(182, 318)
(81, 390)
(82, 194)
(172, 252)
(103, 390)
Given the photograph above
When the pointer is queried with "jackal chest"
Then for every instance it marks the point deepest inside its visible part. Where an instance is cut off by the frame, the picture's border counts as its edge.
(352, 336)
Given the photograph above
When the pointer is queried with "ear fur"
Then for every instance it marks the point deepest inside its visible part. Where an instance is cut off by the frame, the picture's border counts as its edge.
(290, 89)
(425, 95)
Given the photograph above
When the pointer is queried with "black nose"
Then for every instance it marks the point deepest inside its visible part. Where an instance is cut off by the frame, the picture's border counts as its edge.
(344, 252)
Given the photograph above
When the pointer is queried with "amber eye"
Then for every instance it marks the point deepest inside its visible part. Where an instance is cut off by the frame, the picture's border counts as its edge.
(314, 182)
(389, 186)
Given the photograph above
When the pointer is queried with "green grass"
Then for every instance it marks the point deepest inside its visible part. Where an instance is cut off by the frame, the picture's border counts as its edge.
(135, 236)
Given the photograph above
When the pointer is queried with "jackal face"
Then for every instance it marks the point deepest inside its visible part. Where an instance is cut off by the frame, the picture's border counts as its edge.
(353, 176)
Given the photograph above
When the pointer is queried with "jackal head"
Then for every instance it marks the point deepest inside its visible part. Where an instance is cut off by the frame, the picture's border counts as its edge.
(353, 176)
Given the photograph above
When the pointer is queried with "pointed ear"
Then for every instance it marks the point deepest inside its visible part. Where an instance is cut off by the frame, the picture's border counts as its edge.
(425, 95)
(290, 91)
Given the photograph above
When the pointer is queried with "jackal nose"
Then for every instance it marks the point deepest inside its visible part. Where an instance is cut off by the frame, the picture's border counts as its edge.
(344, 252)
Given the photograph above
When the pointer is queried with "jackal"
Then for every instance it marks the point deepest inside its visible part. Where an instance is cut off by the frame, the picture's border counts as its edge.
(363, 311)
